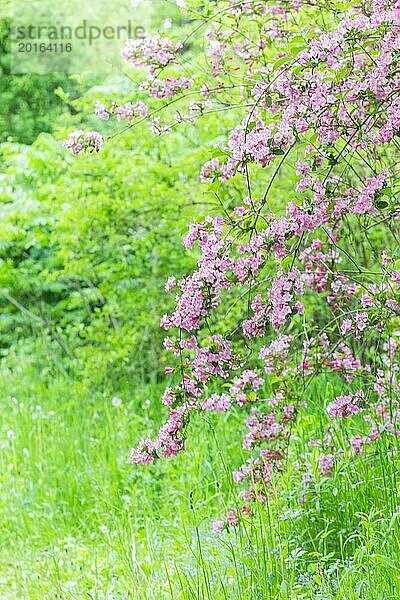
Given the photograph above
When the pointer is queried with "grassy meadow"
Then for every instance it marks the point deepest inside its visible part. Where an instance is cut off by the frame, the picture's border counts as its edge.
(78, 521)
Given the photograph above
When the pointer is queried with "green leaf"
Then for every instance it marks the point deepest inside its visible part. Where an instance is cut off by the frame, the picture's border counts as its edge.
(217, 153)
(297, 40)
(341, 74)
(215, 185)
(296, 50)
(275, 383)
(381, 204)
(281, 62)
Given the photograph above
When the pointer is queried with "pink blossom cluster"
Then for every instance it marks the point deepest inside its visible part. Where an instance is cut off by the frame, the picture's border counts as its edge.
(346, 406)
(311, 232)
(128, 111)
(201, 292)
(150, 52)
(310, 273)
(79, 141)
(165, 88)
(306, 99)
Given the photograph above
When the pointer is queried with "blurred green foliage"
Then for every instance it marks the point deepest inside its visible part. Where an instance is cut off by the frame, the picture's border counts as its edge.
(29, 103)
(87, 243)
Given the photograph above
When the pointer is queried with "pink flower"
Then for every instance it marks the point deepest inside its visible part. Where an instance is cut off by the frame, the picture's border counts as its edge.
(216, 403)
(79, 140)
(347, 325)
(396, 274)
(357, 442)
(326, 462)
(170, 283)
(218, 526)
(346, 406)
(232, 517)
(102, 111)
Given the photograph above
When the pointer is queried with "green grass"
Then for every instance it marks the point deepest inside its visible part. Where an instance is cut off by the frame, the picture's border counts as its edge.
(79, 521)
